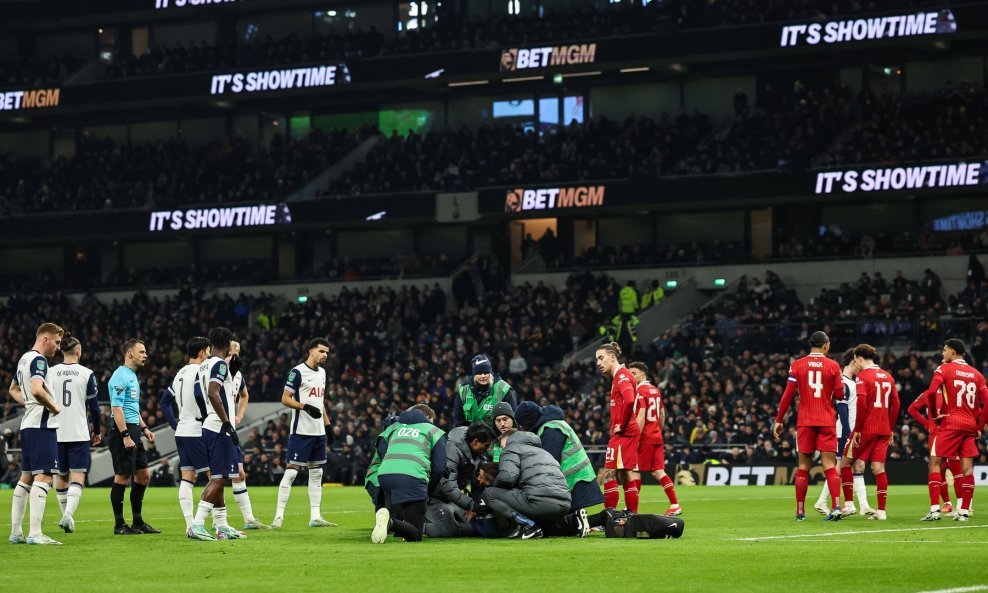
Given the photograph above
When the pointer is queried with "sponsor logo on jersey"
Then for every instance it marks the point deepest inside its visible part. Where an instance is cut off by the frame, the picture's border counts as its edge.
(551, 198)
(532, 58)
(881, 27)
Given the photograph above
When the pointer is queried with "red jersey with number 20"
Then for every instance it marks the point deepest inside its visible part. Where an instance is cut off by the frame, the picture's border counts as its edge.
(650, 397)
(623, 399)
(965, 397)
(818, 381)
(878, 402)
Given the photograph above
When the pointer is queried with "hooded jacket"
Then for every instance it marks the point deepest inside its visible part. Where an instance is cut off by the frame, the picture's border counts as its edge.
(553, 441)
(459, 460)
(526, 466)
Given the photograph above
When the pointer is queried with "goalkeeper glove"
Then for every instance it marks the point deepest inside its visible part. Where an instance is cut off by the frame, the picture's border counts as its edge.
(313, 411)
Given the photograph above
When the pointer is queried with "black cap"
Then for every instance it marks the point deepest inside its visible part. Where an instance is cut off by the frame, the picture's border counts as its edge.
(818, 339)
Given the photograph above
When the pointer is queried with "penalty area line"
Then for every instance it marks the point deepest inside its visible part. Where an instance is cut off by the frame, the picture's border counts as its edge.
(841, 533)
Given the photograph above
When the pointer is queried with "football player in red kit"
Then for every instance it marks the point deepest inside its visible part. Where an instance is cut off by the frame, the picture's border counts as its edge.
(651, 448)
(817, 380)
(916, 410)
(621, 461)
(962, 415)
(874, 428)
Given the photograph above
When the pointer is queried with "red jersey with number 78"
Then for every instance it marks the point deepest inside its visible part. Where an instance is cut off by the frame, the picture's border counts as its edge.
(965, 396)
(818, 382)
(651, 398)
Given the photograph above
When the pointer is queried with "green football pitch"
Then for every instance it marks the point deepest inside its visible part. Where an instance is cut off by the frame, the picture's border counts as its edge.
(736, 538)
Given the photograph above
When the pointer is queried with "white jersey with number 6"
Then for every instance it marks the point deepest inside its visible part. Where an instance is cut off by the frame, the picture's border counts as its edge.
(72, 385)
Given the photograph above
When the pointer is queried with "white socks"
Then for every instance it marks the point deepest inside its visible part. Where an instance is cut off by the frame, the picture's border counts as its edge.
(62, 496)
(73, 497)
(243, 500)
(205, 508)
(185, 501)
(39, 497)
(315, 492)
(860, 491)
(824, 494)
(18, 506)
(219, 517)
(285, 490)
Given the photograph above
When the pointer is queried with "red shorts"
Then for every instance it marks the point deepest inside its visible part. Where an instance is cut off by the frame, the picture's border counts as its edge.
(810, 439)
(622, 453)
(651, 457)
(950, 443)
(873, 447)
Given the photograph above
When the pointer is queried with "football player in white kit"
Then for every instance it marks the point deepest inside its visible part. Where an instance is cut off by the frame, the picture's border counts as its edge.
(76, 386)
(186, 393)
(305, 394)
(39, 442)
(238, 387)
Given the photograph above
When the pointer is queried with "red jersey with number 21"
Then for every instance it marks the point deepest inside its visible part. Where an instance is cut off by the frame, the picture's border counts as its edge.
(651, 398)
(818, 381)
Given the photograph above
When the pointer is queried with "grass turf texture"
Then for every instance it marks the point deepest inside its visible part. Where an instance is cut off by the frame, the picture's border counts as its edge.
(900, 554)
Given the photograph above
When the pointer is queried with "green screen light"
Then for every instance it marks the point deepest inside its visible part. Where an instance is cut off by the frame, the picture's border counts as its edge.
(558, 79)
(302, 299)
(722, 282)
(672, 284)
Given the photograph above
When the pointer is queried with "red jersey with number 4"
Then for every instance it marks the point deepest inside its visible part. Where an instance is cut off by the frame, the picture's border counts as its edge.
(651, 399)
(623, 399)
(878, 402)
(817, 380)
(965, 398)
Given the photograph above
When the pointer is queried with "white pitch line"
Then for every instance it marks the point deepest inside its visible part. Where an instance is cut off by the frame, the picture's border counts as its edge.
(960, 589)
(838, 533)
(896, 541)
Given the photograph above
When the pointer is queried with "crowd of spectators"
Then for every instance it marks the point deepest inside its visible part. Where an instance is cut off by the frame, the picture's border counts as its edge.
(722, 368)
(399, 266)
(36, 73)
(105, 175)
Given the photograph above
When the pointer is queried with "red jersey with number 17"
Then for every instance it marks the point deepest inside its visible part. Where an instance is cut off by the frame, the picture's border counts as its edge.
(651, 398)
(818, 382)
(878, 402)
(965, 396)
(623, 399)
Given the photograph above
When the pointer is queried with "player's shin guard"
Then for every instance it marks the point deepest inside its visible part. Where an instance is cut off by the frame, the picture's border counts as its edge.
(934, 482)
(62, 495)
(39, 498)
(882, 484)
(185, 501)
(833, 484)
(611, 494)
(315, 492)
(670, 489)
(967, 492)
(72, 499)
(18, 507)
(243, 500)
(631, 495)
(860, 491)
(284, 490)
(847, 483)
(802, 485)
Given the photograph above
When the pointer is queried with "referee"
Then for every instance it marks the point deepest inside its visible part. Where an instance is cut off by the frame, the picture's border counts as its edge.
(124, 439)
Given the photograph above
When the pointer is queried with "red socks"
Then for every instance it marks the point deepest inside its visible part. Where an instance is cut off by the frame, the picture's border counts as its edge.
(882, 482)
(935, 481)
(847, 483)
(631, 495)
(802, 485)
(611, 494)
(945, 494)
(670, 489)
(833, 484)
(954, 465)
(967, 491)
